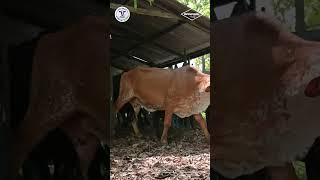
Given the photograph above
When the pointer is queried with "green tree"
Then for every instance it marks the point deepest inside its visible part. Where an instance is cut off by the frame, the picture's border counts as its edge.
(203, 7)
(281, 7)
(311, 11)
(312, 14)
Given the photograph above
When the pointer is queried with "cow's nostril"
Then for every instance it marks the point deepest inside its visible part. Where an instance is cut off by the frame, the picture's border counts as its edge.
(313, 88)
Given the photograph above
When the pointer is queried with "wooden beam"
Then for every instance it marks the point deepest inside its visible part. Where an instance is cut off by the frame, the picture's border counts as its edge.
(158, 35)
(121, 67)
(6, 86)
(202, 23)
(155, 36)
(253, 5)
(138, 37)
(300, 24)
(309, 35)
(221, 3)
(5, 111)
(146, 12)
(213, 15)
(167, 49)
(181, 59)
(124, 37)
(120, 53)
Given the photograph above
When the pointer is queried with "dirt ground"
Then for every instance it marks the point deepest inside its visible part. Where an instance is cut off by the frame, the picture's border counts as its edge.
(185, 157)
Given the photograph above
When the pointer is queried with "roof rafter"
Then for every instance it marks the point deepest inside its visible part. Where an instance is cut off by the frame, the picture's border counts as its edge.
(188, 56)
(146, 12)
(155, 36)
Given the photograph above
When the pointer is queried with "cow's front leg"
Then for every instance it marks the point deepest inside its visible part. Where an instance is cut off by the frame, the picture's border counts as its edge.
(134, 123)
(166, 126)
(203, 126)
(135, 127)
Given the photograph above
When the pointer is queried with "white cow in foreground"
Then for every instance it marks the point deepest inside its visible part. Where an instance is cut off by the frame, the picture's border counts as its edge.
(266, 98)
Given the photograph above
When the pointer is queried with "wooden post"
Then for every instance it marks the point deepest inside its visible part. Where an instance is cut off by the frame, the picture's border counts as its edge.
(203, 64)
(4, 114)
(300, 24)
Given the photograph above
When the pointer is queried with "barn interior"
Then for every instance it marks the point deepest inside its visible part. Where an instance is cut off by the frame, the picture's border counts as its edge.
(157, 38)
(160, 38)
(164, 39)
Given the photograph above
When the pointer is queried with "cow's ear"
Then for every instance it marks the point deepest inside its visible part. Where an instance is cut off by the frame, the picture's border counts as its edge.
(207, 89)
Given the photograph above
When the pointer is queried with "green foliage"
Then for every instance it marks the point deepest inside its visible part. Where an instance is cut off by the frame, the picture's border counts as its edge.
(203, 114)
(198, 62)
(201, 6)
(311, 11)
(312, 14)
(281, 7)
(135, 3)
(300, 170)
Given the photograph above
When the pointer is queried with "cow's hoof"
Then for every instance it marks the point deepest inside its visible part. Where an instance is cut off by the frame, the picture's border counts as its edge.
(139, 135)
(208, 141)
(164, 141)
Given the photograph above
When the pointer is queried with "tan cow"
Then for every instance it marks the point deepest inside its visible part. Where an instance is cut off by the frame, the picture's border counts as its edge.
(184, 91)
(266, 105)
(68, 91)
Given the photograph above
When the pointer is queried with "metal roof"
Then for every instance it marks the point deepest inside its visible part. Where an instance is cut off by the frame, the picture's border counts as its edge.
(157, 34)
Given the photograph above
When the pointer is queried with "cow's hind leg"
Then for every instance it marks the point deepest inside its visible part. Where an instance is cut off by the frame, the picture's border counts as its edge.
(203, 126)
(134, 123)
(125, 94)
(166, 126)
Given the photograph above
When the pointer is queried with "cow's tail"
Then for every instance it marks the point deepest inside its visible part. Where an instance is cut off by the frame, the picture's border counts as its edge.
(125, 92)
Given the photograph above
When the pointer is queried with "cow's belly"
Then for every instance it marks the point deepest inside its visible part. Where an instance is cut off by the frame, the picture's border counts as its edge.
(151, 108)
(192, 105)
